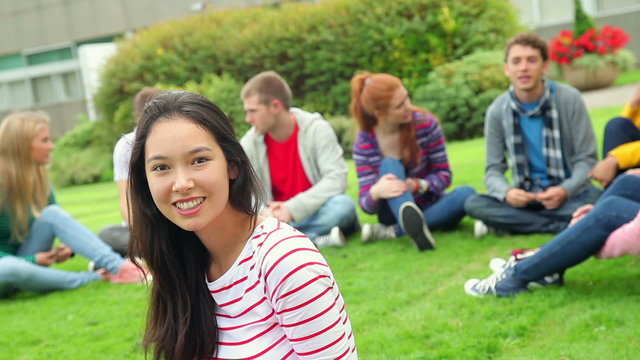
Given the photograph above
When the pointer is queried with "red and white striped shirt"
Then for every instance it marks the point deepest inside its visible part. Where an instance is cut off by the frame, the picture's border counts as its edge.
(279, 300)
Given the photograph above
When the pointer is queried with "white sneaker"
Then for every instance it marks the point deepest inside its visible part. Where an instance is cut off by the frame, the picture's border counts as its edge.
(480, 229)
(499, 264)
(375, 232)
(92, 267)
(333, 238)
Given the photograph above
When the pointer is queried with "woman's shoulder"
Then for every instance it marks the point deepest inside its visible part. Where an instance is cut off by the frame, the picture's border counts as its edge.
(364, 139)
(272, 238)
(424, 120)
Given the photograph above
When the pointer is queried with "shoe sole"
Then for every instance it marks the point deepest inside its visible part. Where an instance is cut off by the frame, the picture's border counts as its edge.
(366, 234)
(412, 221)
(479, 230)
(550, 280)
(341, 239)
(468, 287)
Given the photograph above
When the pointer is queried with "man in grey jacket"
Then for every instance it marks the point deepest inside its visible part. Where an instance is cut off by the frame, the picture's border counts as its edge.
(541, 131)
(298, 161)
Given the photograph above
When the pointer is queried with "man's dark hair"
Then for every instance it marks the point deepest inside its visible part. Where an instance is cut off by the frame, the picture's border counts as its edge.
(528, 39)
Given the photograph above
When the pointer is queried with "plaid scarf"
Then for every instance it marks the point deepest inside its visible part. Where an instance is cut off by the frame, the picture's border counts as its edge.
(551, 147)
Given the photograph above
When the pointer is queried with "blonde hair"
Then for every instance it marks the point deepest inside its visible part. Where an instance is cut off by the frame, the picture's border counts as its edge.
(269, 86)
(24, 186)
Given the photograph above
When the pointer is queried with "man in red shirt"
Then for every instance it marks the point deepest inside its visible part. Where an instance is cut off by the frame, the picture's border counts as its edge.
(299, 162)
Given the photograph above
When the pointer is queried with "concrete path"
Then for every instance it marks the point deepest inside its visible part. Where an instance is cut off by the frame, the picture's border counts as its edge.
(615, 95)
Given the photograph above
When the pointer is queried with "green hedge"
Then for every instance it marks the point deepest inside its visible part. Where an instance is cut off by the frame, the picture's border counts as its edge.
(83, 155)
(224, 91)
(460, 92)
(316, 47)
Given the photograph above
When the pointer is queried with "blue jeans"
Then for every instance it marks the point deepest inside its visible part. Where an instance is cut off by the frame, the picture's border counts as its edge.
(617, 206)
(19, 274)
(619, 131)
(337, 211)
(500, 215)
(444, 213)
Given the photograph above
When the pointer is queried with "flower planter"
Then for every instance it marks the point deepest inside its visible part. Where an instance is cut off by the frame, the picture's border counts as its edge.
(590, 79)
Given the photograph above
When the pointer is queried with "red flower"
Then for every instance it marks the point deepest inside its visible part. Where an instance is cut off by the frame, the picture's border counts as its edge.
(564, 48)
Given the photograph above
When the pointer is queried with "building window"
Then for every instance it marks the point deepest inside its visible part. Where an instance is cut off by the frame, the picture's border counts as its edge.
(17, 94)
(50, 56)
(11, 61)
(71, 85)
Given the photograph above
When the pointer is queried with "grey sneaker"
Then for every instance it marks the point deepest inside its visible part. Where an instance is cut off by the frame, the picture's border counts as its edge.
(412, 222)
(375, 232)
(498, 265)
(498, 284)
(333, 238)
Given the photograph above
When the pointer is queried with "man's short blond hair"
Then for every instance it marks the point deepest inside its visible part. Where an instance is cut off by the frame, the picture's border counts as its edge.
(269, 86)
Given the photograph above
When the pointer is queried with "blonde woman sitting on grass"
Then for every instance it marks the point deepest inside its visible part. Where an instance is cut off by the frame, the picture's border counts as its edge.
(30, 219)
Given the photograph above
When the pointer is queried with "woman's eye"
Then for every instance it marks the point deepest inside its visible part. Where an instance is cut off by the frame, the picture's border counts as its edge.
(160, 167)
(200, 160)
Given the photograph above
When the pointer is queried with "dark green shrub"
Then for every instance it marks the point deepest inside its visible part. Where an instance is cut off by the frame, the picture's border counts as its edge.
(223, 91)
(315, 47)
(460, 92)
(582, 21)
(345, 129)
(82, 156)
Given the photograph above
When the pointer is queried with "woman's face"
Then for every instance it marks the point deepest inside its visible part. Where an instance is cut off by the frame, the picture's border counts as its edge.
(187, 173)
(399, 110)
(42, 146)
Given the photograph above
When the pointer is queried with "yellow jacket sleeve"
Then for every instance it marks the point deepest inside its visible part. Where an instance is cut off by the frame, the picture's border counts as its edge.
(627, 155)
(633, 114)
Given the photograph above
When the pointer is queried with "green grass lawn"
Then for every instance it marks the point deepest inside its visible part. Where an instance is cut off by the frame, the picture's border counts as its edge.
(628, 77)
(402, 304)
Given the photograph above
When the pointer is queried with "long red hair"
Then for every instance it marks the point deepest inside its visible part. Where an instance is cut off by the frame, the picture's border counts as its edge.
(373, 92)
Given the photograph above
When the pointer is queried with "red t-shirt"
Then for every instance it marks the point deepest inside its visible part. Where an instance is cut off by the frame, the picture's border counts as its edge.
(287, 174)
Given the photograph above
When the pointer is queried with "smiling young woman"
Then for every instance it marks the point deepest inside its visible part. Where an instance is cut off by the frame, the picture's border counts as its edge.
(228, 283)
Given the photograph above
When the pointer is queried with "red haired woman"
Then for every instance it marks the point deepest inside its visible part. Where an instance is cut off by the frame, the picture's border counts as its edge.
(401, 163)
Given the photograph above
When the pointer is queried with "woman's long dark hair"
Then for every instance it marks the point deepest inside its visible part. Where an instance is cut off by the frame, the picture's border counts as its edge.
(181, 321)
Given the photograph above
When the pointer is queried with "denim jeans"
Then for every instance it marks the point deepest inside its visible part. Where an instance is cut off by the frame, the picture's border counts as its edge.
(500, 215)
(617, 206)
(619, 131)
(337, 211)
(444, 213)
(19, 274)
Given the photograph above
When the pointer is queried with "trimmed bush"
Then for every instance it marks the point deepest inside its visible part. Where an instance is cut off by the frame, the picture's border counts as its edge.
(460, 92)
(223, 91)
(82, 156)
(345, 129)
(315, 47)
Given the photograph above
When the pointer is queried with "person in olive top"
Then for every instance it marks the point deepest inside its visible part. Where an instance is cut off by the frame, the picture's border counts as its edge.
(30, 219)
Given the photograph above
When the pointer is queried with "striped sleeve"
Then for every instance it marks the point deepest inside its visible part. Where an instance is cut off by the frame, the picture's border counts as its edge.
(434, 164)
(306, 299)
(367, 160)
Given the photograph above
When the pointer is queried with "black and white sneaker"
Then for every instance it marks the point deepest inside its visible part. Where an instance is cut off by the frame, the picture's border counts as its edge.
(412, 222)
(498, 265)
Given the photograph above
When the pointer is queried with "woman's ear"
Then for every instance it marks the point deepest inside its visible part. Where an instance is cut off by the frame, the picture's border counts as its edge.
(233, 171)
(379, 114)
